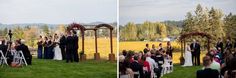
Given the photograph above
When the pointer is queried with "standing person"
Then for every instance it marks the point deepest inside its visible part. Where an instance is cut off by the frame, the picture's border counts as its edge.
(188, 56)
(169, 49)
(146, 49)
(56, 49)
(219, 45)
(76, 46)
(153, 50)
(45, 46)
(69, 47)
(62, 45)
(40, 47)
(198, 53)
(195, 49)
(228, 44)
(50, 48)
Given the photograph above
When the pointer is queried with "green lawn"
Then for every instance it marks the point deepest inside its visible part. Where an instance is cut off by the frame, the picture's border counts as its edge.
(183, 72)
(60, 69)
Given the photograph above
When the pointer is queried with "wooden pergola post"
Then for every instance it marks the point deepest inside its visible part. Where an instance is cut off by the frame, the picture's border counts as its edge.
(96, 54)
(111, 55)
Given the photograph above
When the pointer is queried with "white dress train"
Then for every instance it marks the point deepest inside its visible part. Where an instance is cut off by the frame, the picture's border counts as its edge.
(188, 57)
(57, 52)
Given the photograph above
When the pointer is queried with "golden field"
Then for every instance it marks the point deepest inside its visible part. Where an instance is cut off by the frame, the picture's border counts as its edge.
(103, 47)
(140, 45)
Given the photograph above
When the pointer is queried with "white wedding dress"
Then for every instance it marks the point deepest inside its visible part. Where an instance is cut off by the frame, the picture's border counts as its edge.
(57, 51)
(188, 57)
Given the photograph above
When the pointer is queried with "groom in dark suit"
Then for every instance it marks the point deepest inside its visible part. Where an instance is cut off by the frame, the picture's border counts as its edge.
(69, 47)
(195, 49)
(75, 51)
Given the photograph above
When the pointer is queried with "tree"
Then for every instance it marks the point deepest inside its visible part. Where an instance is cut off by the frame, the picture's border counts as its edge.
(45, 29)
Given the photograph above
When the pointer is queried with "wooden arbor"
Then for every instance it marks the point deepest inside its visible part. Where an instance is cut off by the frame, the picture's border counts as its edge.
(75, 26)
(183, 37)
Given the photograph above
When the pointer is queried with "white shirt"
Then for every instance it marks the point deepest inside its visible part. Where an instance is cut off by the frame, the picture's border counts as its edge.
(151, 62)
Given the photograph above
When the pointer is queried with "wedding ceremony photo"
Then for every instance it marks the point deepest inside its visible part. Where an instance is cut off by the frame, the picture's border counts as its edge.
(58, 39)
(177, 39)
(117, 39)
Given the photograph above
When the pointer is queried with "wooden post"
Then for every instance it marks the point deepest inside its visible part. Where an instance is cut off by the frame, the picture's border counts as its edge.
(96, 54)
(111, 55)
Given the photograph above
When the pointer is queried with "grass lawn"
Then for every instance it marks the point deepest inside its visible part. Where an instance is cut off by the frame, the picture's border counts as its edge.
(183, 72)
(42, 68)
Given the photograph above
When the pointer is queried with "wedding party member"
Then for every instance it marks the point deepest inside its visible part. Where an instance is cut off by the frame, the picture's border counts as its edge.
(69, 47)
(3, 47)
(187, 56)
(160, 48)
(153, 50)
(40, 47)
(207, 72)
(62, 45)
(45, 46)
(25, 50)
(228, 44)
(56, 49)
(137, 68)
(169, 49)
(219, 44)
(147, 49)
(76, 46)
(195, 49)
(50, 47)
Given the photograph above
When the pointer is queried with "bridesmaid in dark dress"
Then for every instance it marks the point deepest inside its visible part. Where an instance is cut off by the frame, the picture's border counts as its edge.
(40, 47)
(50, 48)
(45, 46)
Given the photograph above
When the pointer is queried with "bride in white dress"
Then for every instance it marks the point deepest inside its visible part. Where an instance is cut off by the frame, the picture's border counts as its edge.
(56, 49)
(188, 56)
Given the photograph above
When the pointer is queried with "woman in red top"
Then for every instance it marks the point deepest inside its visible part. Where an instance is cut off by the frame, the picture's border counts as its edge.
(146, 67)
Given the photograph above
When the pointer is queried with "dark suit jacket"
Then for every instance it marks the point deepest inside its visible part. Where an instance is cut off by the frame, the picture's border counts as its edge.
(136, 67)
(69, 43)
(62, 42)
(76, 40)
(228, 45)
(207, 73)
(3, 48)
(219, 45)
(24, 49)
(196, 48)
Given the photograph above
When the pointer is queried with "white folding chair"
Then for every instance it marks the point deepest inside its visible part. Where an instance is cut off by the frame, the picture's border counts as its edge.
(18, 57)
(3, 59)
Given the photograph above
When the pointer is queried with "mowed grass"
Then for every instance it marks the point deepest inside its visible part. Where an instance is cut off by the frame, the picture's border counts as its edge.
(42, 68)
(183, 72)
(103, 46)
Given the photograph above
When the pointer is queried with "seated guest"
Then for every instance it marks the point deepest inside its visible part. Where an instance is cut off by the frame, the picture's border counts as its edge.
(214, 65)
(137, 68)
(225, 66)
(124, 70)
(152, 64)
(146, 67)
(231, 72)
(25, 50)
(3, 47)
(207, 72)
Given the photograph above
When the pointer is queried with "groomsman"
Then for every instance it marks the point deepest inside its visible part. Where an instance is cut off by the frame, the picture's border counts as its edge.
(195, 49)
(228, 44)
(69, 47)
(75, 51)
(219, 44)
(62, 46)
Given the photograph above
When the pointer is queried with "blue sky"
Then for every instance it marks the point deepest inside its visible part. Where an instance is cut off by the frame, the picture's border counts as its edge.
(138, 11)
(57, 11)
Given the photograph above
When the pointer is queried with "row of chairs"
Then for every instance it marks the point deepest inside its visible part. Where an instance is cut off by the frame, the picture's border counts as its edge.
(18, 58)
